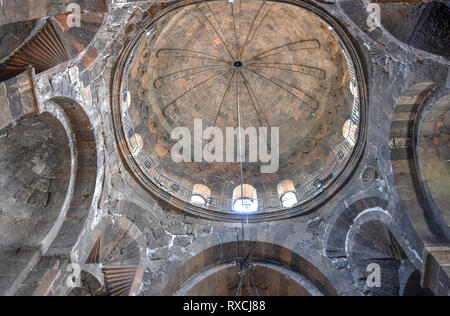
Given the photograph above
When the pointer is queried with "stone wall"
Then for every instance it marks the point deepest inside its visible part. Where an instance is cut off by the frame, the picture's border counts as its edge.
(172, 237)
(36, 170)
(174, 247)
(35, 163)
(23, 10)
(17, 98)
(13, 35)
(435, 155)
(421, 26)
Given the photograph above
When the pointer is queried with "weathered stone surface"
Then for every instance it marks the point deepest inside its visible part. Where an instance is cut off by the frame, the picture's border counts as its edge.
(182, 241)
(41, 184)
(328, 248)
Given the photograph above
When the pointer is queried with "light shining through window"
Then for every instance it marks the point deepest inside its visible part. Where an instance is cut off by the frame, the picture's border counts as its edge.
(198, 199)
(289, 199)
(245, 206)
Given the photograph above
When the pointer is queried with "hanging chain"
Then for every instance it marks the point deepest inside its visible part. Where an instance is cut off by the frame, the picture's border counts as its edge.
(244, 260)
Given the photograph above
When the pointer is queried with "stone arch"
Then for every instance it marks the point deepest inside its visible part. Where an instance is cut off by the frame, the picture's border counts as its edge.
(64, 95)
(336, 237)
(409, 146)
(272, 280)
(290, 254)
(420, 25)
(81, 192)
(46, 41)
(365, 233)
(370, 242)
(406, 162)
(42, 49)
(84, 199)
(79, 39)
(433, 158)
(117, 250)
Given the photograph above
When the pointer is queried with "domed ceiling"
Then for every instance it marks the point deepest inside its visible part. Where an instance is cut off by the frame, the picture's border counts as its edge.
(282, 65)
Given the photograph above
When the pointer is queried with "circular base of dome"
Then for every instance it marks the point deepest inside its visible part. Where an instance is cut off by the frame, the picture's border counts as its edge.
(162, 185)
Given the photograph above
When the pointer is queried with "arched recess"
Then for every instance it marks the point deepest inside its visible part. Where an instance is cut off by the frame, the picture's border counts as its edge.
(364, 234)
(407, 165)
(433, 157)
(86, 175)
(369, 243)
(414, 123)
(36, 186)
(118, 251)
(24, 10)
(337, 234)
(421, 25)
(308, 272)
(424, 26)
(270, 280)
(78, 39)
(48, 40)
(417, 134)
(12, 35)
(36, 163)
(57, 179)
